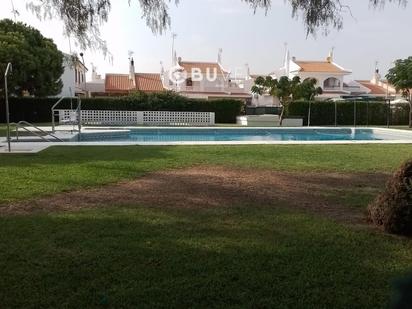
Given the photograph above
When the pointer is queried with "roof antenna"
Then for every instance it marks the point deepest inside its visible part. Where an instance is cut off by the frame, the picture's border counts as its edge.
(219, 56)
(331, 52)
(14, 11)
(174, 35)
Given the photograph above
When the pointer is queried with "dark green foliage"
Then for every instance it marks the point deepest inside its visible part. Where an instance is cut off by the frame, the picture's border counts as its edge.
(262, 110)
(401, 77)
(367, 113)
(392, 209)
(402, 297)
(37, 63)
(286, 89)
(307, 90)
(39, 109)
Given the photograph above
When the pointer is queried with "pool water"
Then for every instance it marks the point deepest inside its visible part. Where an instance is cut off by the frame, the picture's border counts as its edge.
(244, 135)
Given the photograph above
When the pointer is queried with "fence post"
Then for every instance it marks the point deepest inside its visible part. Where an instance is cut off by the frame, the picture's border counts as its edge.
(388, 113)
(367, 113)
(309, 113)
(354, 113)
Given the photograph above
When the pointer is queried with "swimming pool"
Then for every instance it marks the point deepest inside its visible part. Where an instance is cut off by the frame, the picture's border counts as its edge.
(253, 135)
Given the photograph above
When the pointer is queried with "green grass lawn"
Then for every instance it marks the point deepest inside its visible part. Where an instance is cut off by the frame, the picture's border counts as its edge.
(231, 256)
(65, 168)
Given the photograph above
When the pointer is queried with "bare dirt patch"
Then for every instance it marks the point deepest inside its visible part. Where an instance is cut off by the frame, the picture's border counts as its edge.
(201, 187)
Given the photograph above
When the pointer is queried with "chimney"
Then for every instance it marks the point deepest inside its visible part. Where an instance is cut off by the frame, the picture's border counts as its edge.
(376, 79)
(132, 76)
(95, 76)
(286, 63)
(330, 57)
(219, 56)
(247, 75)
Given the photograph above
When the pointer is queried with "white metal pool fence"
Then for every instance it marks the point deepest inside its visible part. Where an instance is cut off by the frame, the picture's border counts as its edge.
(141, 118)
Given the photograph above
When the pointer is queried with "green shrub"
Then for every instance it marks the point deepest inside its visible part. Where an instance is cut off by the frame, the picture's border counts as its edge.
(367, 113)
(39, 109)
(392, 209)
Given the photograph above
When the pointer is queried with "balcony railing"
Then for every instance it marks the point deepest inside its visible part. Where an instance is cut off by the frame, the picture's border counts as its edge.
(332, 88)
(233, 88)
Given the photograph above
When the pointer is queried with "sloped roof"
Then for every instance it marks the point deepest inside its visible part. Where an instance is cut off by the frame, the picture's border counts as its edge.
(375, 89)
(146, 82)
(149, 82)
(118, 82)
(319, 66)
(220, 93)
(202, 66)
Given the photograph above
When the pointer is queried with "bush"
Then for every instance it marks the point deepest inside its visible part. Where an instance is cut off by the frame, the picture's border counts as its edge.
(39, 109)
(392, 209)
(367, 113)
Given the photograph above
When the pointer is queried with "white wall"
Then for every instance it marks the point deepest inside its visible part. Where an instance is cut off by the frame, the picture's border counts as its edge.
(320, 77)
(264, 100)
(70, 86)
(68, 82)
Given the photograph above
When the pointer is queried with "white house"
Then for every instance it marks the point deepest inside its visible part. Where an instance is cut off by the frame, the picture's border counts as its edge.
(328, 74)
(376, 87)
(96, 86)
(204, 80)
(74, 76)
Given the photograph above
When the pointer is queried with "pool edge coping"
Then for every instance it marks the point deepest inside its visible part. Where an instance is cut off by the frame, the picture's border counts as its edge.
(35, 147)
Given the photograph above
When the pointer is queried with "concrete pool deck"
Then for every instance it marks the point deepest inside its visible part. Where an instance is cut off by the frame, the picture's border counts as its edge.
(35, 145)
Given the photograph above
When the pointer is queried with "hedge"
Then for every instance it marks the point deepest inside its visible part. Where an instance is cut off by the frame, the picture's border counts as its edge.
(367, 113)
(261, 110)
(39, 109)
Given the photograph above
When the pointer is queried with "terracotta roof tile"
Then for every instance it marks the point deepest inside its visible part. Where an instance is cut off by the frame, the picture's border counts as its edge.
(319, 66)
(203, 66)
(375, 89)
(146, 82)
(149, 82)
(118, 82)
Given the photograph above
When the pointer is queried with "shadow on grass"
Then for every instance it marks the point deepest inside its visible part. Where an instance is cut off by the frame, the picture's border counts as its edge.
(58, 155)
(65, 168)
(239, 256)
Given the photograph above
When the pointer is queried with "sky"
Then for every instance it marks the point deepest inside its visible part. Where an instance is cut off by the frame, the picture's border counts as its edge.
(258, 39)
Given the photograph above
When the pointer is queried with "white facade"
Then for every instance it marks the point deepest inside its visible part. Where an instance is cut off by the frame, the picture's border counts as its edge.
(74, 77)
(97, 84)
(206, 80)
(328, 74)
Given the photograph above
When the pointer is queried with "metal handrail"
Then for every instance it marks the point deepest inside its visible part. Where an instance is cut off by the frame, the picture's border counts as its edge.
(79, 117)
(22, 125)
(9, 68)
(53, 110)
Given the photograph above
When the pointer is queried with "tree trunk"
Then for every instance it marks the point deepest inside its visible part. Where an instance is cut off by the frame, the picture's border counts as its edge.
(282, 114)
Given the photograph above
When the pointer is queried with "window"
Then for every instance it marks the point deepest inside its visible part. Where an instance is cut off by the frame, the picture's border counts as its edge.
(331, 82)
(189, 82)
(75, 75)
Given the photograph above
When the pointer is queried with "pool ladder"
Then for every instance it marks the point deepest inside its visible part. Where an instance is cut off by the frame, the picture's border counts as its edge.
(45, 136)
